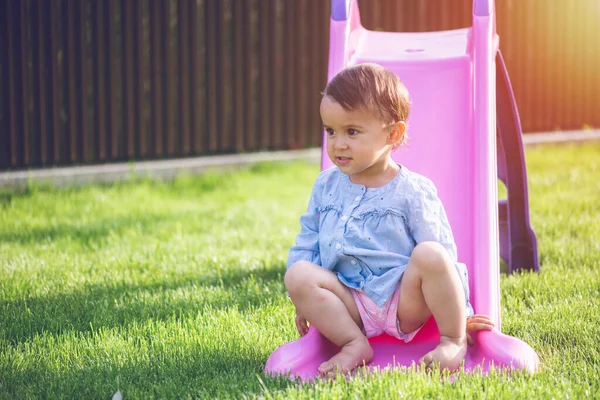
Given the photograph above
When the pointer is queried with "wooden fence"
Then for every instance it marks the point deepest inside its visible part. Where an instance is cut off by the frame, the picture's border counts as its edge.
(93, 81)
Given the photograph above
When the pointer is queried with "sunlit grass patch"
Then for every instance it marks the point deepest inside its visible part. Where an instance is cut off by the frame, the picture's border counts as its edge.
(175, 289)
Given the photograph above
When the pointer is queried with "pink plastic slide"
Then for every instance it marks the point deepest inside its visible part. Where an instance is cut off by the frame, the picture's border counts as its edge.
(451, 78)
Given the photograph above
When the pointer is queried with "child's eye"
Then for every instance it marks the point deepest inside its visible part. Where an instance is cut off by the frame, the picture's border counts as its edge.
(352, 132)
(330, 132)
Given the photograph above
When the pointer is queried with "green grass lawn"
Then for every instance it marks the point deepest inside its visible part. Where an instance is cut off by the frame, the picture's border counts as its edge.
(175, 290)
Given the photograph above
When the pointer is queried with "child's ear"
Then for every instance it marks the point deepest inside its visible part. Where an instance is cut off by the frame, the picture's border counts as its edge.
(397, 132)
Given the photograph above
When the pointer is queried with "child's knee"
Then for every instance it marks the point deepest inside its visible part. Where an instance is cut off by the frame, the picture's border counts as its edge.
(431, 257)
(298, 276)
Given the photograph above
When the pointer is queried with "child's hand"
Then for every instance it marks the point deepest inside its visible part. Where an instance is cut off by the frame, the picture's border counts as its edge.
(477, 323)
(301, 324)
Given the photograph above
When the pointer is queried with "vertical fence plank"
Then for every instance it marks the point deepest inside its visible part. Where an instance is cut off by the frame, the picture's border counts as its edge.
(39, 118)
(240, 65)
(591, 49)
(421, 14)
(569, 72)
(319, 39)
(84, 145)
(183, 62)
(25, 81)
(592, 97)
(48, 85)
(537, 25)
(544, 50)
(314, 90)
(277, 32)
(391, 18)
(265, 73)
(197, 79)
(156, 68)
(302, 76)
(170, 131)
(5, 86)
(554, 61)
(324, 18)
(55, 47)
(113, 80)
(12, 37)
(62, 141)
(141, 71)
(446, 17)
(100, 81)
(213, 41)
(129, 59)
(584, 44)
(595, 62)
(74, 100)
(251, 53)
(224, 116)
(513, 58)
(369, 12)
(579, 61)
(290, 92)
(15, 71)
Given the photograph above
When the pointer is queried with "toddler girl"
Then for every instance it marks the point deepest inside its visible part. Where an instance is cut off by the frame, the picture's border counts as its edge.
(375, 252)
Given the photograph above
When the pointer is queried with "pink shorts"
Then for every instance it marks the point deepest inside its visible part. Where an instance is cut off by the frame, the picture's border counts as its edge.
(381, 320)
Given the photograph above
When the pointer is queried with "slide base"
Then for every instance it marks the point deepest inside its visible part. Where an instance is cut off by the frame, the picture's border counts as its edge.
(301, 358)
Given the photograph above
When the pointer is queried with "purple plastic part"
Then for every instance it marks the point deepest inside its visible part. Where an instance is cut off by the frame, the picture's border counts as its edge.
(483, 8)
(517, 240)
(340, 9)
(453, 143)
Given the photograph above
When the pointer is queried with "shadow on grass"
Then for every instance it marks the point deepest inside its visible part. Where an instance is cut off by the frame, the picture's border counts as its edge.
(7, 196)
(85, 234)
(201, 373)
(97, 306)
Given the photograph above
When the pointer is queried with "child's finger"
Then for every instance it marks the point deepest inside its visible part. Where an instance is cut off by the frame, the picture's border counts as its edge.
(427, 362)
(301, 326)
(304, 328)
(480, 322)
(470, 341)
(481, 319)
(474, 326)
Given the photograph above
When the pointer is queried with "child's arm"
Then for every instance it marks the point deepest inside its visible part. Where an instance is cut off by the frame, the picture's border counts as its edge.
(307, 241)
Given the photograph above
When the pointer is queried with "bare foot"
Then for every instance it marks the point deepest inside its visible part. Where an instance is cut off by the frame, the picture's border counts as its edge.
(352, 355)
(448, 354)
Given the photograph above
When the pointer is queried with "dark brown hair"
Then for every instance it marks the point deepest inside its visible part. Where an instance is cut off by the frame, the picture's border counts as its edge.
(370, 86)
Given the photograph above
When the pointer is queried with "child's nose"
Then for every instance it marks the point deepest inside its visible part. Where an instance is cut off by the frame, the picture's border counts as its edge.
(340, 143)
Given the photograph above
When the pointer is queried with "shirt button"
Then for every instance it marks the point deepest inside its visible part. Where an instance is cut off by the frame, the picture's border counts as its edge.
(357, 198)
(344, 217)
(353, 262)
(338, 246)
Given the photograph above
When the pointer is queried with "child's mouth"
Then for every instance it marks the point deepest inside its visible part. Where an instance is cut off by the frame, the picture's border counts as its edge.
(343, 160)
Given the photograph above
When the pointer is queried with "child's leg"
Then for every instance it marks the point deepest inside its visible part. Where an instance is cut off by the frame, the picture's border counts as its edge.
(327, 304)
(431, 285)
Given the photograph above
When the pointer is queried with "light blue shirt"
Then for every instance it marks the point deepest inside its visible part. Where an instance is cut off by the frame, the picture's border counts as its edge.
(366, 235)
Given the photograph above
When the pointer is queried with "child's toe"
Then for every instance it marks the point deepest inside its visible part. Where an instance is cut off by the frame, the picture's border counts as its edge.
(326, 367)
(427, 360)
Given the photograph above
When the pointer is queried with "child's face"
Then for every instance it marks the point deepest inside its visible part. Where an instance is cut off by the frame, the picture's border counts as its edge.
(358, 142)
